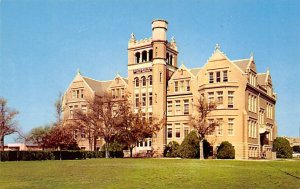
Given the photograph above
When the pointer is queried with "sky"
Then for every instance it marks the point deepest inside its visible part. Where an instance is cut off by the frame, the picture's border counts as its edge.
(43, 43)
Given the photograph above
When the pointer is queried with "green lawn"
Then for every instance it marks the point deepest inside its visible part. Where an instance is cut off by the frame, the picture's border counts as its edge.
(150, 173)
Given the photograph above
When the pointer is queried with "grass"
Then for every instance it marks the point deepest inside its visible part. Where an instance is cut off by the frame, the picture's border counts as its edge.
(150, 173)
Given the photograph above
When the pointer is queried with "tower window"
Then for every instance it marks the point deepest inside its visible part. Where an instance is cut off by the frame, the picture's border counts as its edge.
(150, 55)
(137, 82)
(150, 99)
(137, 57)
(144, 99)
(144, 56)
(136, 100)
(167, 58)
(144, 83)
(171, 59)
(150, 80)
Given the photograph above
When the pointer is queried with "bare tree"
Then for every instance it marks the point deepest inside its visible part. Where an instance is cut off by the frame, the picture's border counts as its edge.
(8, 124)
(200, 121)
(101, 119)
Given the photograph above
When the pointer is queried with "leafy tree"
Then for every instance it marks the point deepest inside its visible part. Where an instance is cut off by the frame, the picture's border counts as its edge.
(8, 124)
(171, 149)
(200, 121)
(226, 151)
(189, 147)
(134, 127)
(101, 120)
(40, 136)
(282, 148)
(296, 149)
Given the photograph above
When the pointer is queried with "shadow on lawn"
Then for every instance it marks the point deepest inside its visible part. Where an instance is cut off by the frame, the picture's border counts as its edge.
(287, 173)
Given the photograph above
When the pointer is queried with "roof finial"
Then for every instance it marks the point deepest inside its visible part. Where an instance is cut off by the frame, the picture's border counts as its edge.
(173, 39)
(251, 54)
(217, 47)
(78, 71)
(132, 38)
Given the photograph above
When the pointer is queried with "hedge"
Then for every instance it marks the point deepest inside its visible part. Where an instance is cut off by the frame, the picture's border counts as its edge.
(54, 155)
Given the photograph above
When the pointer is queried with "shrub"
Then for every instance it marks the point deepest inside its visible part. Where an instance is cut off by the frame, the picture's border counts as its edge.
(189, 148)
(282, 148)
(171, 149)
(226, 151)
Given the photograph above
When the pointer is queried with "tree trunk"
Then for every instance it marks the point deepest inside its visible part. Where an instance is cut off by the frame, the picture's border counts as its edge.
(130, 148)
(106, 150)
(95, 143)
(2, 143)
(201, 149)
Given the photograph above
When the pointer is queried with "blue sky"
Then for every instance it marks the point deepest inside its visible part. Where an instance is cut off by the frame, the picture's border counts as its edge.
(42, 43)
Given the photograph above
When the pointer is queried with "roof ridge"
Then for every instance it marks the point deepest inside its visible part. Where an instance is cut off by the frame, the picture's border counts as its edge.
(97, 80)
(240, 60)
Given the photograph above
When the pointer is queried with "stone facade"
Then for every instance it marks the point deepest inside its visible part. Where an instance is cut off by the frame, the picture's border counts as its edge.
(246, 100)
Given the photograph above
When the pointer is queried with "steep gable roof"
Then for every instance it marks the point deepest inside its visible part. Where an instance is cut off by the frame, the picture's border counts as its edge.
(242, 64)
(97, 86)
(195, 71)
(261, 79)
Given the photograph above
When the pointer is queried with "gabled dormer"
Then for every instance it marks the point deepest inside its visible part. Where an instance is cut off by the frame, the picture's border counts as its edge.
(180, 81)
(118, 86)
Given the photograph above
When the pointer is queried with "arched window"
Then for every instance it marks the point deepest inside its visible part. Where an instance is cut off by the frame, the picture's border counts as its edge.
(150, 80)
(167, 58)
(144, 83)
(171, 59)
(150, 55)
(137, 82)
(144, 56)
(137, 57)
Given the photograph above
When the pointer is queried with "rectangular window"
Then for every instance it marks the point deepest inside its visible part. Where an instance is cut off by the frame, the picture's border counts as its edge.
(220, 127)
(73, 94)
(177, 107)
(81, 91)
(150, 99)
(77, 93)
(122, 93)
(230, 126)
(177, 130)
(169, 107)
(230, 99)
(84, 109)
(185, 129)
(144, 99)
(150, 117)
(225, 77)
(187, 83)
(210, 121)
(113, 93)
(118, 93)
(220, 97)
(186, 107)
(211, 97)
(146, 143)
(176, 86)
(181, 86)
(211, 77)
(71, 112)
(218, 77)
(144, 117)
(169, 129)
(82, 135)
(137, 100)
